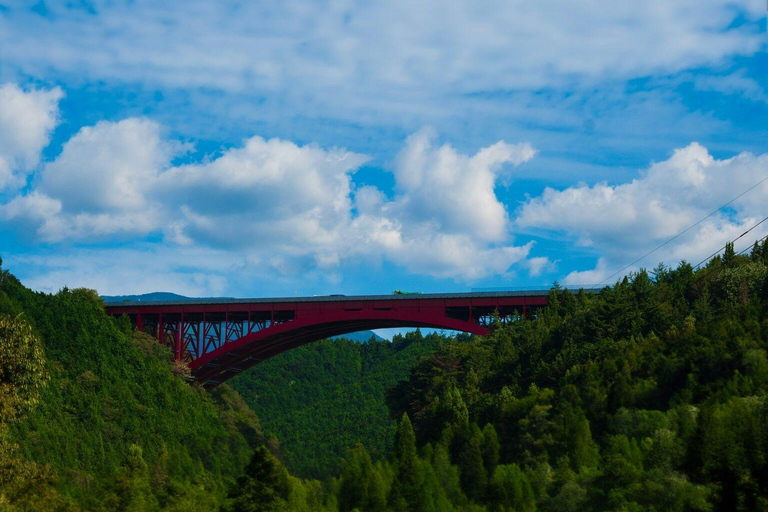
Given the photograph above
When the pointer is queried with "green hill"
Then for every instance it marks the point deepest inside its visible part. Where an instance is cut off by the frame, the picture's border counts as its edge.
(112, 404)
(321, 399)
(649, 396)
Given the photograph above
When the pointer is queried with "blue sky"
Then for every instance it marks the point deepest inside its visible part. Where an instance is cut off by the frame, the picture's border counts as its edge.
(313, 147)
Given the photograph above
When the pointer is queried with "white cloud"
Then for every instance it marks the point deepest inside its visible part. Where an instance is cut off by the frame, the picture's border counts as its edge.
(445, 219)
(736, 83)
(455, 191)
(190, 271)
(268, 192)
(109, 166)
(623, 222)
(539, 265)
(99, 185)
(27, 119)
(395, 56)
(292, 208)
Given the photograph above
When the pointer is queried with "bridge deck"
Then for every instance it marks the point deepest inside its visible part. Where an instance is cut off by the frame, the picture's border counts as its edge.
(219, 337)
(331, 298)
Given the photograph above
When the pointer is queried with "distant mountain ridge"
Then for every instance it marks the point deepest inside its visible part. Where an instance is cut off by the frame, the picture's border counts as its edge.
(146, 297)
(362, 336)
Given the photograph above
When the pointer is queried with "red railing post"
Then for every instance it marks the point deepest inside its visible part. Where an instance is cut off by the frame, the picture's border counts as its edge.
(179, 334)
(204, 336)
(160, 328)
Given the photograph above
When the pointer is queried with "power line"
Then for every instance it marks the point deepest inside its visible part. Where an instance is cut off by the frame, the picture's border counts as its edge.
(683, 232)
(718, 269)
(726, 245)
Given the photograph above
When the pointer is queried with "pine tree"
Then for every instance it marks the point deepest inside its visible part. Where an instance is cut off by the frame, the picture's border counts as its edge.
(447, 475)
(472, 473)
(408, 488)
(729, 255)
(581, 448)
(263, 487)
(490, 448)
(511, 490)
(134, 489)
(361, 486)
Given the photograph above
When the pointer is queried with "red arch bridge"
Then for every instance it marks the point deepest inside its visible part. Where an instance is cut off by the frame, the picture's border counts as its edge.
(219, 338)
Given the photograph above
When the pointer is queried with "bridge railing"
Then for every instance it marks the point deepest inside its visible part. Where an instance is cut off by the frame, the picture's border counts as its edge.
(589, 288)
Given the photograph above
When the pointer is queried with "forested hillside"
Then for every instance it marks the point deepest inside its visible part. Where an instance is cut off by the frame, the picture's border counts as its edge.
(321, 399)
(650, 396)
(92, 417)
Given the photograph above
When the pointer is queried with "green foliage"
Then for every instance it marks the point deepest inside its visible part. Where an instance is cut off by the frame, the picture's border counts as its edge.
(114, 429)
(651, 395)
(362, 486)
(22, 369)
(133, 486)
(510, 490)
(320, 400)
(265, 486)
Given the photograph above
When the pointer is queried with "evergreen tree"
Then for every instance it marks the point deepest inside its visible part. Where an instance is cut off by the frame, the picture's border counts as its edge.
(407, 492)
(490, 448)
(134, 490)
(447, 475)
(361, 486)
(511, 490)
(472, 472)
(729, 255)
(264, 486)
(580, 448)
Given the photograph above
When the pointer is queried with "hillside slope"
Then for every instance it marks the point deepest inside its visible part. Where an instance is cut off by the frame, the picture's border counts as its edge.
(321, 399)
(113, 405)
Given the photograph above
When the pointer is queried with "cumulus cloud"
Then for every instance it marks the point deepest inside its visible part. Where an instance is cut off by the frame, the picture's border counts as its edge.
(266, 192)
(99, 185)
(539, 265)
(622, 222)
(455, 191)
(285, 206)
(27, 119)
(445, 219)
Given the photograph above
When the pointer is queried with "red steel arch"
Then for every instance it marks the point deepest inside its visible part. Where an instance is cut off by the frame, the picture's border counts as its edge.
(219, 338)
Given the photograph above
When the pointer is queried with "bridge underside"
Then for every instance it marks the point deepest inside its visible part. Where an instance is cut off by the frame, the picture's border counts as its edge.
(218, 341)
(218, 367)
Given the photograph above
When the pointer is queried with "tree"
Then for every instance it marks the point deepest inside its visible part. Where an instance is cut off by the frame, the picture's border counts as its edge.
(22, 369)
(490, 448)
(472, 473)
(408, 488)
(134, 489)
(580, 447)
(264, 486)
(511, 490)
(22, 375)
(447, 475)
(361, 485)
(729, 255)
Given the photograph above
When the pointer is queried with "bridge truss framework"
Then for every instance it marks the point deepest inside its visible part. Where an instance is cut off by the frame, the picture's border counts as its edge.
(219, 338)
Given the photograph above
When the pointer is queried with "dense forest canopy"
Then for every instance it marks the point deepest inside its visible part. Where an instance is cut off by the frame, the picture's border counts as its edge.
(321, 399)
(649, 396)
